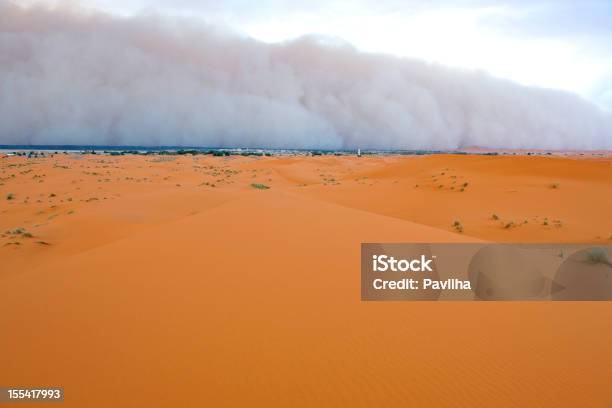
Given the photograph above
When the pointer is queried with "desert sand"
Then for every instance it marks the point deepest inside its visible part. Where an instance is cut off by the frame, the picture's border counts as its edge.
(172, 281)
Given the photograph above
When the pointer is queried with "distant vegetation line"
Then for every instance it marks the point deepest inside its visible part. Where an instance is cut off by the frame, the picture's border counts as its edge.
(215, 151)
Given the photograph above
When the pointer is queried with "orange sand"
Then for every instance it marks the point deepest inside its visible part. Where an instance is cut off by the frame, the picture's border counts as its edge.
(157, 289)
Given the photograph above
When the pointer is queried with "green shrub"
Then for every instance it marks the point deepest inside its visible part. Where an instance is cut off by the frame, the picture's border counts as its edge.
(16, 231)
(260, 186)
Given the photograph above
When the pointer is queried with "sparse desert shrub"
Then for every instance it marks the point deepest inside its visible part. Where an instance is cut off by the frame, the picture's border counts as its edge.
(495, 217)
(16, 231)
(10, 196)
(51, 195)
(597, 255)
(458, 226)
(259, 186)
(509, 225)
(555, 186)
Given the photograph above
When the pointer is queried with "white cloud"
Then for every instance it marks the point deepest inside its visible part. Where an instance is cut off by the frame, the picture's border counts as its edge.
(560, 44)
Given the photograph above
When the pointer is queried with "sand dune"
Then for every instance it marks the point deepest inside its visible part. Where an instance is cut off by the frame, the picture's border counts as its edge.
(158, 289)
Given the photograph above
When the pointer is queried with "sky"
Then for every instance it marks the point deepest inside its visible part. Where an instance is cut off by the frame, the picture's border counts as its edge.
(562, 44)
(382, 74)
